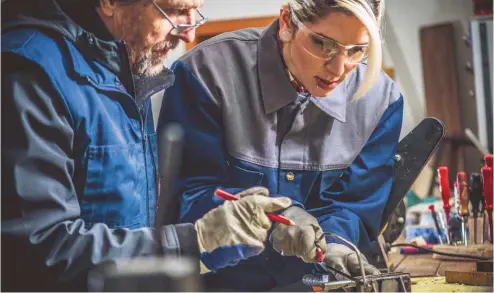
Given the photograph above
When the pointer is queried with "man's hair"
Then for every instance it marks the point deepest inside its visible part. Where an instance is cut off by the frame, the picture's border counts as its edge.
(369, 12)
(96, 2)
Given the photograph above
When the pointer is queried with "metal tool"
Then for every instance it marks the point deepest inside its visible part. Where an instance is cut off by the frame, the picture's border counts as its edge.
(171, 139)
(436, 223)
(488, 195)
(475, 188)
(392, 282)
(397, 282)
(461, 182)
(445, 194)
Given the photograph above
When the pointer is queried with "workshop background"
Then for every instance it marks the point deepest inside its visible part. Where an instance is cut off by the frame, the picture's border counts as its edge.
(440, 54)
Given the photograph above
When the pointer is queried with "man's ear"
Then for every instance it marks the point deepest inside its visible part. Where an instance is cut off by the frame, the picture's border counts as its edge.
(108, 7)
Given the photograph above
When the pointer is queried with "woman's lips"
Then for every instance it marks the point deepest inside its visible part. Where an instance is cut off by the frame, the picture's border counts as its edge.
(325, 84)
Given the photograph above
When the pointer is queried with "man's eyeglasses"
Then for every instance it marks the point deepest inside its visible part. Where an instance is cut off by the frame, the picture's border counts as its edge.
(180, 28)
(325, 48)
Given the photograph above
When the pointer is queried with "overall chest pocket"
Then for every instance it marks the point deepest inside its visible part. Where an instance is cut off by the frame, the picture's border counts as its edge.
(114, 192)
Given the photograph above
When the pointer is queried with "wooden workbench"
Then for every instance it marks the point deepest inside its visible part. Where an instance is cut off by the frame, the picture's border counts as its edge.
(428, 273)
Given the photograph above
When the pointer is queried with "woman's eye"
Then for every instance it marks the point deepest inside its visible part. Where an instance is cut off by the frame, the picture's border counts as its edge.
(356, 50)
(317, 41)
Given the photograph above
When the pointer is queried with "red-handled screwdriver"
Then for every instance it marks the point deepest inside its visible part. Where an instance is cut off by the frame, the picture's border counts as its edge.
(445, 194)
(488, 160)
(272, 216)
(488, 194)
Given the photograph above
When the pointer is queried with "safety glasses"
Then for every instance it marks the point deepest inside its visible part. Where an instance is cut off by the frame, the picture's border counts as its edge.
(325, 48)
(180, 28)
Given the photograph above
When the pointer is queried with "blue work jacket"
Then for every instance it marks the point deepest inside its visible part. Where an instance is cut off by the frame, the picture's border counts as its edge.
(79, 153)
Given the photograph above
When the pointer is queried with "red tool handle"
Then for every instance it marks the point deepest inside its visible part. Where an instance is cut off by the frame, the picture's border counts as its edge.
(488, 160)
(319, 255)
(487, 187)
(272, 216)
(444, 188)
(488, 194)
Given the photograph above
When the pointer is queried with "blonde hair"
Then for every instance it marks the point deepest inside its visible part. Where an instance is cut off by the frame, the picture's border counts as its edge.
(369, 12)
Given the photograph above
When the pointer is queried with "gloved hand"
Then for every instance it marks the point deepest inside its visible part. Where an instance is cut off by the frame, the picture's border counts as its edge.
(236, 230)
(344, 259)
(300, 240)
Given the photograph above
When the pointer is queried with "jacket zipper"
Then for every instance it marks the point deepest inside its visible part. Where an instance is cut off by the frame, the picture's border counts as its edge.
(140, 110)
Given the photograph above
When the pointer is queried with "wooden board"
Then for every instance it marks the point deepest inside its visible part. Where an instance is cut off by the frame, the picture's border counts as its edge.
(466, 266)
(485, 266)
(469, 278)
(484, 250)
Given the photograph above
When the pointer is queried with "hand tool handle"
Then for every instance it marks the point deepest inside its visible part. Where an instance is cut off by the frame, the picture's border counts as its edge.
(444, 188)
(319, 255)
(272, 216)
(487, 187)
(488, 194)
(488, 160)
(461, 179)
(475, 188)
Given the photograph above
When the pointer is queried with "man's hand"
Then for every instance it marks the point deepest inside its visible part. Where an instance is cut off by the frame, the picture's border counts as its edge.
(344, 259)
(236, 230)
(300, 240)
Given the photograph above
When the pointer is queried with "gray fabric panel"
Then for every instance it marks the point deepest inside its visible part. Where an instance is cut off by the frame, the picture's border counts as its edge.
(244, 75)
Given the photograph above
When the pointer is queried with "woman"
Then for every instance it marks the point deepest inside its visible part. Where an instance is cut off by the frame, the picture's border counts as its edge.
(302, 108)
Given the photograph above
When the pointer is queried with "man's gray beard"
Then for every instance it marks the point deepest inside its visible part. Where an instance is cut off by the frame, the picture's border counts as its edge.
(151, 63)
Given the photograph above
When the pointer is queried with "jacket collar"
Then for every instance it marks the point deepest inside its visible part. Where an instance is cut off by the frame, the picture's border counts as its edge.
(276, 88)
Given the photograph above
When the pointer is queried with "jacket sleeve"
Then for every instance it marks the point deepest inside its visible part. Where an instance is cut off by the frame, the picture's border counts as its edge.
(354, 204)
(204, 166)
(41, 226)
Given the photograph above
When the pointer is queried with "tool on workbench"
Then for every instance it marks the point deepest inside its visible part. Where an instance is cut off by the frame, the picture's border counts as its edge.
(445, 194)
(390, 282)
(488, 195)
(487, 163)
(461, 179)
(475, 188)
(488, 160)
(436, 223)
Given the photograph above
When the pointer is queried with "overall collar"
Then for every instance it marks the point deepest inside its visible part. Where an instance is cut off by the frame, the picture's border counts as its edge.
(276, 85)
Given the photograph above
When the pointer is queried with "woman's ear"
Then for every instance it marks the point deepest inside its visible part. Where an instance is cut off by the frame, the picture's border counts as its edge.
(286, 31)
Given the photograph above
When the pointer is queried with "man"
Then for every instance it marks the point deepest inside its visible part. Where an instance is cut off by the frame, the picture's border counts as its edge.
(79, 156)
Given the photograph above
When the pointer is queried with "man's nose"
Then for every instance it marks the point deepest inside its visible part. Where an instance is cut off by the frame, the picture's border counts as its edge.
(188, 36)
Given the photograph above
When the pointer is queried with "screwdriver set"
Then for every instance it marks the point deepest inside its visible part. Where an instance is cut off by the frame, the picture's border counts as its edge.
(473, 197)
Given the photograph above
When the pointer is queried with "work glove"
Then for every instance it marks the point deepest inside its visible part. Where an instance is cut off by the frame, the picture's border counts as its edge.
(236, 230)
(301, 239)
(344, 259)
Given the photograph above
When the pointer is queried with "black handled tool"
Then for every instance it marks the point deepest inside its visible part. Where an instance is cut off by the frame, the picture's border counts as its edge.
(475, 188)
